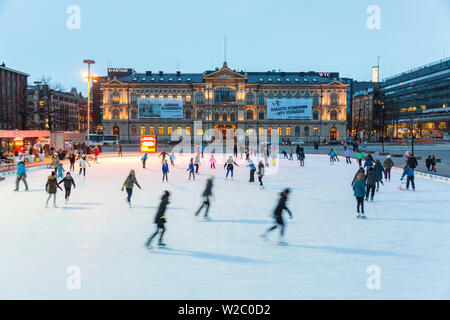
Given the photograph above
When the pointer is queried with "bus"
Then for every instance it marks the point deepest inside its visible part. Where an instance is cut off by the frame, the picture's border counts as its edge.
(103, 139)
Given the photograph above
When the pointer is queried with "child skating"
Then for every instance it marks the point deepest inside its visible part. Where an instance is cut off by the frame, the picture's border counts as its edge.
(212, 161)
(68, 183)
(172, 159)
(60, 171)
(191, 169)
(229, 164)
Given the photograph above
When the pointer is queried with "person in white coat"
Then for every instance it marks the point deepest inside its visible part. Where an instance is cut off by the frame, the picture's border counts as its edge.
(83, 161)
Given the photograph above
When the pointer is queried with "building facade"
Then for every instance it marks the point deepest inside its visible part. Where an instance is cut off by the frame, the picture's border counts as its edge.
(13, 99)
(417, 102)
(224, 99)
(367, 117)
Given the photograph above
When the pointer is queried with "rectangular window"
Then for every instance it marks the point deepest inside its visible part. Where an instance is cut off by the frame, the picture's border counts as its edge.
(161, 130)
(179, 130)
(152, 130)
(169, 130)
(142, 130)
(288, 131)
(280, 131)
(188, 130)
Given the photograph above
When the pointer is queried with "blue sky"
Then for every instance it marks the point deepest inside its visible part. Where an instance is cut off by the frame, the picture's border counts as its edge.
(291, 35)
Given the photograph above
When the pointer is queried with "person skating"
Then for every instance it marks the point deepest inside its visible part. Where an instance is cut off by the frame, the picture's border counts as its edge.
(144, 160)
(68, 183)
(359, 191)
(360, 157)
(96, 153)
(191, 169)
(412, 162)
(388, 164)
(21, 175)
(55, 162)
(285, 154)
(206, 194)
(348, 155)
(379, 170)
(335, 155)
(409, 173)
(165, 170)
(82, 163)
(332, 155)
(235, 150)
(197, 161)
(360, 170)
(212, 161)
(160, 220)
(433, 163)
(369, 162)
(229, 164)
(72, 159)
(163, 154)
(61, 171)
(301, 157)
(50, 187)
(371, 178)
(172, 159)
(278, 216)
(252, 167)
(119, 150)
(261, 171)
(129, 183)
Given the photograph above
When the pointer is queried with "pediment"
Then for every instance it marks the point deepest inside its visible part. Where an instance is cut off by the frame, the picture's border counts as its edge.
(113, 81)
(225, 73)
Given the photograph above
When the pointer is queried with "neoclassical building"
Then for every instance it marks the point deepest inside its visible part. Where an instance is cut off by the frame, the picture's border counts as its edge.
(224, 99)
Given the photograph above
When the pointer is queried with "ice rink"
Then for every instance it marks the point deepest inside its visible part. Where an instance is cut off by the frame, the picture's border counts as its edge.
(406, 236)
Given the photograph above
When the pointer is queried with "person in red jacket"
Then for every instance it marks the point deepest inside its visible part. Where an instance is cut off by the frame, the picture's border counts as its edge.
(96, 153)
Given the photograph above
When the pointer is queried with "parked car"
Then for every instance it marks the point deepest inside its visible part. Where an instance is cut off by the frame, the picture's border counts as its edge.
(335, 142)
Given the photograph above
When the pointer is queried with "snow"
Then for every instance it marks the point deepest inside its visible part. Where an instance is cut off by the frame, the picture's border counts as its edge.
(406, 235)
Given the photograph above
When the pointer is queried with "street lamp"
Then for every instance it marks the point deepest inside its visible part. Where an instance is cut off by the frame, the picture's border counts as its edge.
(89, 62)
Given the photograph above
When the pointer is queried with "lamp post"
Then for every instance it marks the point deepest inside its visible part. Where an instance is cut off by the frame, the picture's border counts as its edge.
(89, 62)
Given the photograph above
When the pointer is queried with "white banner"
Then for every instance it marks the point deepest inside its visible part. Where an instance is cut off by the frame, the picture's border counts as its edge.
(160, 108)
(289, 109)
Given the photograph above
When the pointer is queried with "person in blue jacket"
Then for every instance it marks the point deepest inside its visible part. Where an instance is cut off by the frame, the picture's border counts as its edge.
(379, 170)
(369, 162)
(332, 155)
(165, 170)
(144, 160)
(21, 175)
(172, 159)
(409, 173)
(191, 169)
(252, 167)
(359, 191)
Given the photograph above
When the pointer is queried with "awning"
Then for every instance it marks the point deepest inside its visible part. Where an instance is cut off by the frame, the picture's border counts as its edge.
(24, 133)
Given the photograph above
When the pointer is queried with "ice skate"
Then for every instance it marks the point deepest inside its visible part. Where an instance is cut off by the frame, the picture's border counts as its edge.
(363, 217)
(282, 243)
(162, 244)
(358, 216)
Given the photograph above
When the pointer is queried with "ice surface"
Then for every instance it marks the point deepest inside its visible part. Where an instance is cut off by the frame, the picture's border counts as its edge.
(407, 236)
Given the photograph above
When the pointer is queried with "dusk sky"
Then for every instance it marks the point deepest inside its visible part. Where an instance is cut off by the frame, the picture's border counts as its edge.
(291, 35)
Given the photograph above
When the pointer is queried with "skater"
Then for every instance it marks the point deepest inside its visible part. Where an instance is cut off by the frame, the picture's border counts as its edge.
(332, 155)
(229, 164)
(160, 220)
(129, 183)
(55, 162)
(359, 190)
(172, 159)
(335, 155)
(212, 161)
(163, 154)
(297, 152)
(68, 182)
(278, 215)
(360, 170)
(379, 170)
(371, 179)
(260, 173)
(50, 187)
(285, 154)
(347, 156)
(428, 163)
(197, 161)
(144, 160)
(60, 171)
(165, 170)
(241, 149)
(206, 194)
(301, 157)
(191, 169)
(369, 162)
(290, 153)
(119, 150)
(252, 167)
(409, 173)
(82, 162)
(96, 153)
(72, 159)
(235, 151)
(360, 157)
(433, 163)
(412, 162)
(388, 164)
(21, 175)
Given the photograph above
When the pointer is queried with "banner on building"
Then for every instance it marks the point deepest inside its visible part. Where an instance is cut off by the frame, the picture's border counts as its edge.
(289, 109)
(160, 108)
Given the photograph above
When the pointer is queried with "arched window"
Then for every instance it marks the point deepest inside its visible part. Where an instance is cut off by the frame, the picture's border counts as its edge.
(169, 130)
(315, 115)
(279, 95)
(232, 117)
(288, 131)
(115, 114)
(116, 130)
(315, 131)
(199, 114)
(249, 114)
(297, 96)
(333, 133)
(307, 95)
(188, 114)
(115, 97)
(261, 99)
(188, 98)
(133, 114)
(133, 130)
(288, 96)
(161, 96)
(315, 101)
(333, 115)
(199, 97)
(133, 98)
(297, 131)
(224, 95)
(249, 98)
(261, 115)
(188, 130)
(280, 131)
(179, 130)
(152, 130)
(306, 131)
(333, 99)
(270, 96)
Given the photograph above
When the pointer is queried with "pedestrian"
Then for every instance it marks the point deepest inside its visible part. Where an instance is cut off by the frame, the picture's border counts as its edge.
(412, 162)
(409, 173)
(60, 171)
(428, 163)
(160, 220)
(82, 163)
(50, 187)
(144, 160)
(206, 194)
(388, 164)
(68, 182)
(379, 170)
(72, 159)
(347, 156)
(371, 178)
(172, 159)
(165, 170)
(163, 154)
(191, 169)
(252, 167)
(21, 175)
(261, 171)
(119, 150)
(360, 157)
(229, 164)
(129, 183)
(433, 163)
(235, 151)
(197, 161)
(212, 161)
(359, 190)
(278, 216)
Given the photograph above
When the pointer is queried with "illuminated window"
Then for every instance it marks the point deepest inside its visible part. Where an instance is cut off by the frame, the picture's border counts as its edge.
(188, 98)
(199, 132)
(116, 114)
(333, 115)
(179, 130)
(315, 131)
(142, 130)
(280, 131)
(333, 99)
(161, 96)
(170, 96)
(152, 130)
(152, 96)
(161, 130)
(288, 131)
(188, 130)
(261, 131)
(115, 96)
(179, 96)
(169, 130)
(269, 131)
